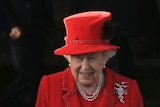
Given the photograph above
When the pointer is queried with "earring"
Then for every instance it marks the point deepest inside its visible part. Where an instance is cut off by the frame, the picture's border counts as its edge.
(69, 64)
(104, 66)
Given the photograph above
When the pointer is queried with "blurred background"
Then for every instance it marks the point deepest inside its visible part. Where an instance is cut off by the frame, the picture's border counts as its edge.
(144, 49)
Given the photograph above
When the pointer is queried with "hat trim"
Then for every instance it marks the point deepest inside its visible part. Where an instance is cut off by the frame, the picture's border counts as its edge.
(87, 42)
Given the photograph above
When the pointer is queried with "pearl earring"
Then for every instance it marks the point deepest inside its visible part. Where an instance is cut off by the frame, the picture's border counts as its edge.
(104, 66)
(69, 64)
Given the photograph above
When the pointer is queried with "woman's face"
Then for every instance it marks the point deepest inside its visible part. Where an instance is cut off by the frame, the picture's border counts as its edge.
(86, 68)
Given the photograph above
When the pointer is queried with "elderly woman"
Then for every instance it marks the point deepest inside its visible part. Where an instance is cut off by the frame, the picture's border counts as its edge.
(87, 82)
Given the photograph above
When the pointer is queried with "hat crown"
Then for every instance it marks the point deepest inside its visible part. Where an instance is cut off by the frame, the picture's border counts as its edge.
(84, 33)
(86, 26)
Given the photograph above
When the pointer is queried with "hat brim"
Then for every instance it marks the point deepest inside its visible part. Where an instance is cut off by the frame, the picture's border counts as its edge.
(82, 49)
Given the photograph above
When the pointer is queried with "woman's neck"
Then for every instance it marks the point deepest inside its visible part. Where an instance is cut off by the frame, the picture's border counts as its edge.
(90, 93)
(91, 89)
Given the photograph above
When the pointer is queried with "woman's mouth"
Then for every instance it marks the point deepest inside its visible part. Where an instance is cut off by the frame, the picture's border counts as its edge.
(86, 75)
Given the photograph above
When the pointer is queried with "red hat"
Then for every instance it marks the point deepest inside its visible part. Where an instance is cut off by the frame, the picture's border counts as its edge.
(84, 33)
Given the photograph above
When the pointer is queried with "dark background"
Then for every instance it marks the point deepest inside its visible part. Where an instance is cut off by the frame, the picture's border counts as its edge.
(146, 63)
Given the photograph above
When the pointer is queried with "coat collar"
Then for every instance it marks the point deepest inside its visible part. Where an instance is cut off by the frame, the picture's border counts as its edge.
(70, 96)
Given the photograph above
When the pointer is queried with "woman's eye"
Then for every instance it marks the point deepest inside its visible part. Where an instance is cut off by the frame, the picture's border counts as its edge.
(78, 57)
(92, 58)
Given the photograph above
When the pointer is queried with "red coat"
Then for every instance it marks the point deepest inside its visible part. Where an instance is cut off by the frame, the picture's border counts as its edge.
(59, 90)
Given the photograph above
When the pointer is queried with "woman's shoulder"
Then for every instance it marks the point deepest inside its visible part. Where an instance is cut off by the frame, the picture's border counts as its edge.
(55, 75)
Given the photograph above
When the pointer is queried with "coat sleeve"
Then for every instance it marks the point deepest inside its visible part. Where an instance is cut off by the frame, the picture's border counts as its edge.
(136, 97)
(43, 93)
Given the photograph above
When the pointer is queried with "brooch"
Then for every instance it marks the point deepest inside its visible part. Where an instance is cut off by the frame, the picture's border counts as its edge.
(120, 90)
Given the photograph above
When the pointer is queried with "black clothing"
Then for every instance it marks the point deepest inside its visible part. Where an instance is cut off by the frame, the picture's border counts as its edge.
(34, 18)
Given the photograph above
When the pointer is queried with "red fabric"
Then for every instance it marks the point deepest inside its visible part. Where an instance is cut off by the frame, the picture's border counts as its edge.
(59, 90)
(84, 33)
(86, 25)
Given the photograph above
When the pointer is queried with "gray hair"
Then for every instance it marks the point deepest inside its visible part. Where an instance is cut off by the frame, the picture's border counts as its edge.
(110, 53)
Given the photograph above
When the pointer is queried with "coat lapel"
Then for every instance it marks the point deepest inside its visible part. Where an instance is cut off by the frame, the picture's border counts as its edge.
(70, 96)
(108, 99)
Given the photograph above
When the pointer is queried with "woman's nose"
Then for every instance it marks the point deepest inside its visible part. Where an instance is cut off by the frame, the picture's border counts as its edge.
(85, 64)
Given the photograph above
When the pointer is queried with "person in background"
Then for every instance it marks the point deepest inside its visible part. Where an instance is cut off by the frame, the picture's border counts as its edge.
(87, 82)
(29, 23)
